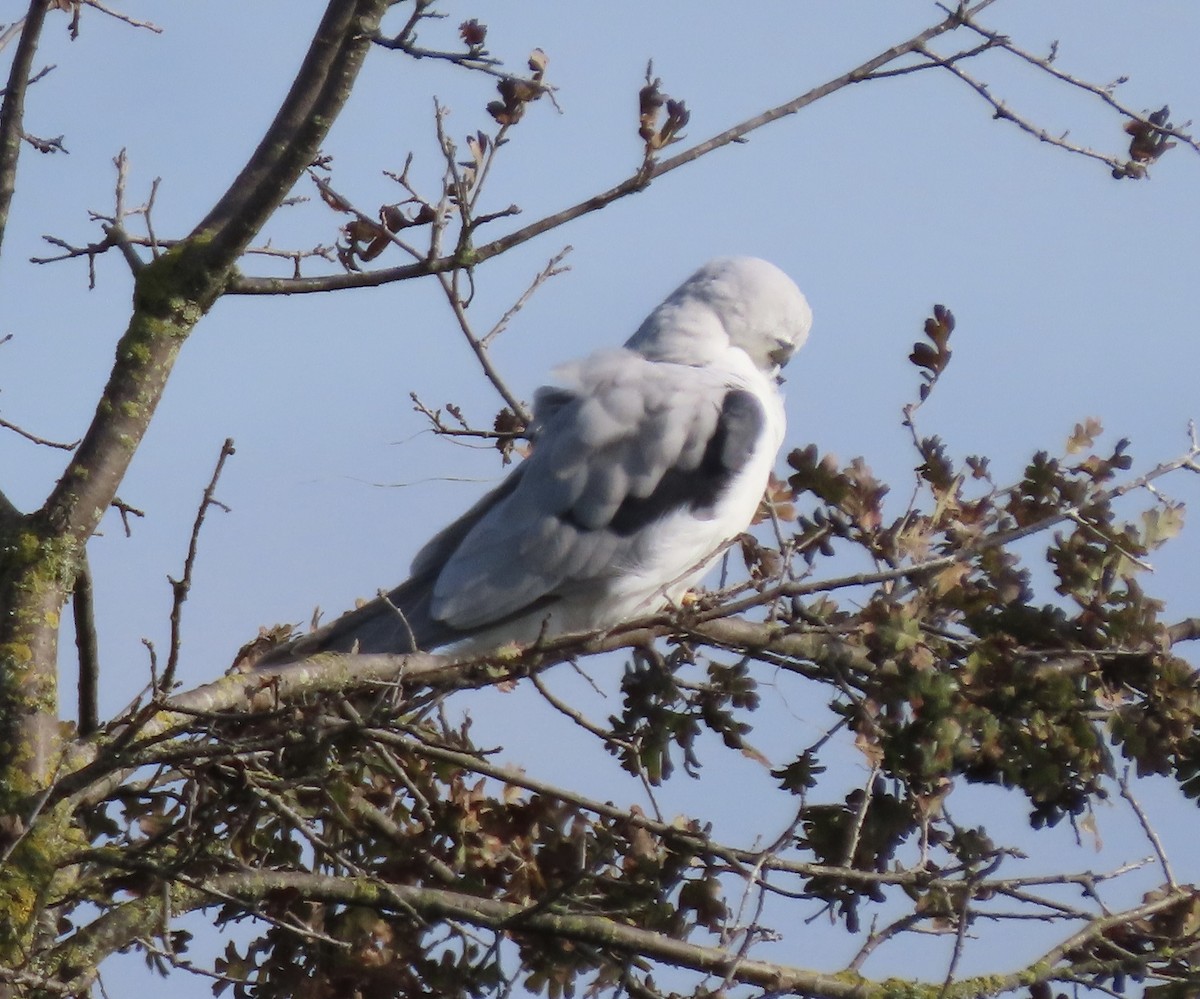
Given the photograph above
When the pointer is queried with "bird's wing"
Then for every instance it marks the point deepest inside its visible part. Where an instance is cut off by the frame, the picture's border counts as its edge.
(634, 441)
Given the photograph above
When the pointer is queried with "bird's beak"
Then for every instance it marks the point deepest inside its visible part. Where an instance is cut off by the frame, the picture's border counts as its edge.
(782, 354)
(779, 357)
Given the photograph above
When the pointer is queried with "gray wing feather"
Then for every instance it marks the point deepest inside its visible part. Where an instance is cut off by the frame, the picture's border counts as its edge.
(401, 622)
(438, 549)
(628, 448)
(637, 441)
(633, 445)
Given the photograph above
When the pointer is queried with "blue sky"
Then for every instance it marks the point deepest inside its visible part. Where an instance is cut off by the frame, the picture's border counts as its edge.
(1074, 293)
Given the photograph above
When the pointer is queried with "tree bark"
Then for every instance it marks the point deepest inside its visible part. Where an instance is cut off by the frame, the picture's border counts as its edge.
(40, 553)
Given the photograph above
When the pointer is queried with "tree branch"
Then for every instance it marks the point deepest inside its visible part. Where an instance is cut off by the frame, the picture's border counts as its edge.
(321, 88)
(1002, 111)
(180, 588)
(12, 114)
(35, 439)
(175, 290)
(89, 657)
(171, 294)
(240, 285)
(1104, 93)
(252, 887)
(87, 773)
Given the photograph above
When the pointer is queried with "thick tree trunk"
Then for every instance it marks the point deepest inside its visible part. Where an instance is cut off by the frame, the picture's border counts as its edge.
(40, 553)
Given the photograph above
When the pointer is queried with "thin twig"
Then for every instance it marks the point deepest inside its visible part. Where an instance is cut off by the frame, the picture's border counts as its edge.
(876, 938)
(480, 351)
(1148, 829)
(442, 429)
(552, 269)
(181, 587)
(604, 735)
(82, 603)
(860, 818)
(638, 181)
(960, 938)
(1003, 111)
(125, 510)
(131, 21)
(1104, 93)
(34, 438)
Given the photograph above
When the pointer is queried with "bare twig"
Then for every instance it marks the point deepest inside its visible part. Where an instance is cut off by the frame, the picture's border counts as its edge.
(131, 21)
(44, 145)
(877, 938)
(474, 57)
(82, 603)
(479, 349)
(1148, 829)
(1103, 92)
(860, 817)
(479, 346)
(35, 439)
(963, 923)
(443, 429)
(576, 716)
(115, 229)
(156, 246)
(638, 181)
(147, 213)
(126, 511)
(182, 586)
(552, 269)
(1003, 111)
(7, 34)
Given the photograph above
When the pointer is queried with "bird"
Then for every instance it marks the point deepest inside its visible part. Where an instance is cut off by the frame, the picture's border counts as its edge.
(646, 461)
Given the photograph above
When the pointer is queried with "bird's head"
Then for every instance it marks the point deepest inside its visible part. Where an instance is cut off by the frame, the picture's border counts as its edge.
(738, 302)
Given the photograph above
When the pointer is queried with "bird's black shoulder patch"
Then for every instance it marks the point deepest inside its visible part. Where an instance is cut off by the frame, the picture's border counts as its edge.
(738, 428)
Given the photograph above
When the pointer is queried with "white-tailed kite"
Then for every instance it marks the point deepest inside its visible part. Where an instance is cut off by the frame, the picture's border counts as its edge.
(646, 462)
